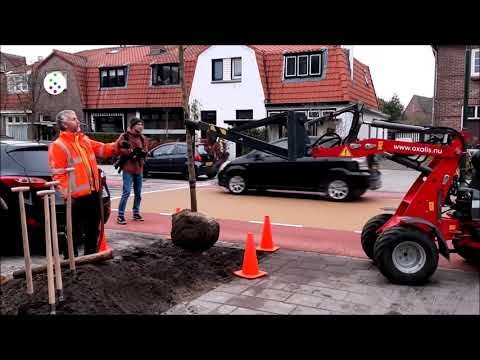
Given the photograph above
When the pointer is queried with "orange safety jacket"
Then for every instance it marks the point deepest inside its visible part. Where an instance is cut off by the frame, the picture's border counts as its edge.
(78, 151)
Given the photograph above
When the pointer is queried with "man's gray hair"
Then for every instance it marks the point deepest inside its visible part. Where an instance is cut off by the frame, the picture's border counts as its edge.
(61, 117)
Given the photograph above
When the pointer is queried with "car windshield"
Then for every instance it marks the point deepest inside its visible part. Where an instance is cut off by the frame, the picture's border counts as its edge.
(33, 159)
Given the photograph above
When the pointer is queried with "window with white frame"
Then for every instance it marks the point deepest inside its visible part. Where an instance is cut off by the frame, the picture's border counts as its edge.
(17, 83)
(227, 69)
(290, 66)
(236, 68)
(303, 65)
(315, 61)
(473, 112)
(302, 69)
(16, 120)
(475, 71)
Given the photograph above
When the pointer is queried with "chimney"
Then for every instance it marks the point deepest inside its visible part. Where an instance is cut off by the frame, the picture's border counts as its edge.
(349, 49)
(157, 49)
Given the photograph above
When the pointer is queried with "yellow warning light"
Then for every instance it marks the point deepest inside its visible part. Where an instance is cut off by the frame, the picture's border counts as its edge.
(380, 145)
(212, 128)
(452, 227)
(223, 131)
(431, 206)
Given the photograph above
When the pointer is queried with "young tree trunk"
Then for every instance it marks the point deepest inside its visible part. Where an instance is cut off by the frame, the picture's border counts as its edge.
(190, 136)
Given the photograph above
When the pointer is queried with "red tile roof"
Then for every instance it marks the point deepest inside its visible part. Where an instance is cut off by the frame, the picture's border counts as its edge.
(139, 92)
(337, 85)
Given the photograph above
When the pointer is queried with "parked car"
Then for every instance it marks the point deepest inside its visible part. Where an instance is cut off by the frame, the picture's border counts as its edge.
(171, 158)
(25, 163)
(341, 179)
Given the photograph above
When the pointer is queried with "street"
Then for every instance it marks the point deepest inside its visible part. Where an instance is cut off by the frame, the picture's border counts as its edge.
(327, 233)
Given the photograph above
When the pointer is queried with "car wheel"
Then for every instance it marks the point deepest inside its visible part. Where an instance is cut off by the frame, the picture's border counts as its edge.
(338, 190)
(237, 184)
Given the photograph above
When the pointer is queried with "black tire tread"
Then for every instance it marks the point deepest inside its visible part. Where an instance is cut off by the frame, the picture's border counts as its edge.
(383, 250)
(369, 236)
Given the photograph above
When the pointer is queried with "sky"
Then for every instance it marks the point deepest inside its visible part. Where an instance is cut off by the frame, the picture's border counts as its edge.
(401, 69)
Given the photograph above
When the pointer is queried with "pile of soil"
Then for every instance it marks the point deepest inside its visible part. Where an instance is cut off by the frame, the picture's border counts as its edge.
(142, 280)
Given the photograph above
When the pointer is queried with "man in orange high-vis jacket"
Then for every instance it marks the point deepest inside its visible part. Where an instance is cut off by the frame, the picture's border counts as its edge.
(74, 149)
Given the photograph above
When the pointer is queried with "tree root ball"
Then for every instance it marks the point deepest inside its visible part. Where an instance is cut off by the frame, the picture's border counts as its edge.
(194, 231)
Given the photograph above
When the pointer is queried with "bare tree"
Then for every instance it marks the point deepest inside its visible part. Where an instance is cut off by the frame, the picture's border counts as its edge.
(190, 134)
(29, 95)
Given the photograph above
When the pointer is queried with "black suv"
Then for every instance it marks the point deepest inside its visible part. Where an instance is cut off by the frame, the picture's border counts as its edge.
(25, 163)
(171, 158)
(341, 179)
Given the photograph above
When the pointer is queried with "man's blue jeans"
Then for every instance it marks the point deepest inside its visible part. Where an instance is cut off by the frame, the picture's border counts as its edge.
(128, 179)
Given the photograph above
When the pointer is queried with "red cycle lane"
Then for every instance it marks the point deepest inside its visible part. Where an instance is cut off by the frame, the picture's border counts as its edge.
(326, 241)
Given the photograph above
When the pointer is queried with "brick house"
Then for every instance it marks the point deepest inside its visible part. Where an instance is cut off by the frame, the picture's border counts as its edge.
(418, 111)
(449, 90)
(107, 87)
(14, 89)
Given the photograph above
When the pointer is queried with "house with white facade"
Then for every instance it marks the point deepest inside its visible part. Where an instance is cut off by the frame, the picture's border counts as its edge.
(237, 83)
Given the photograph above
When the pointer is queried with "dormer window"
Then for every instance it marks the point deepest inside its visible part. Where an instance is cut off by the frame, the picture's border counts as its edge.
(303, 65)
(165, 74)
(227, 70)
(113, 77)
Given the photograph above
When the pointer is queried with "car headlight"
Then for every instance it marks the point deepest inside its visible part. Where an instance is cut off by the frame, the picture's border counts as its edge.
(223, 165)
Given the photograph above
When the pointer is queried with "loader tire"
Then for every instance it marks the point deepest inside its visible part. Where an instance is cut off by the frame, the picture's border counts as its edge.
(406, 255)
(369, 232)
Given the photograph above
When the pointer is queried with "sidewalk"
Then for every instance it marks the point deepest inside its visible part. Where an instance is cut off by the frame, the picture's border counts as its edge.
(311, 283)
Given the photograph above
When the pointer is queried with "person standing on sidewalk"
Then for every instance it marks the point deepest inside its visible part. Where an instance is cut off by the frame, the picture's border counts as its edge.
(74, 149)
(132, 168)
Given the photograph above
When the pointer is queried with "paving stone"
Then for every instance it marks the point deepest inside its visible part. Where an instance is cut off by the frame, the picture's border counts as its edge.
(216, 297)
(305, 300)
(305, 310)
(344, 307)
(468, 308)
(245, 311)
(223, 310)
(271, 294)
(330, 293)
(232, 288)
(252, 302)
(201, 307)
(273, 283)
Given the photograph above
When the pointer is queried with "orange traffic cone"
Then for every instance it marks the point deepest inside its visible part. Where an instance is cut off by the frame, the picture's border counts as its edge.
(250, 268)
(103, 244)
(266, 244)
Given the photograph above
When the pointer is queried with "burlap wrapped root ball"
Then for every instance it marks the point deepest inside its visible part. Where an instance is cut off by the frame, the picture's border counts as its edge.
(194, 231)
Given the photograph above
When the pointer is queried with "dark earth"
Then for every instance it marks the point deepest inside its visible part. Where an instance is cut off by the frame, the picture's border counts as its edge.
(141, 280)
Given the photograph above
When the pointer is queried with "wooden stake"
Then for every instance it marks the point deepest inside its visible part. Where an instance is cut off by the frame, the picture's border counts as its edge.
(71, 255)
(79, 260)
(56, 254)
(48, 249)
(26, 246)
